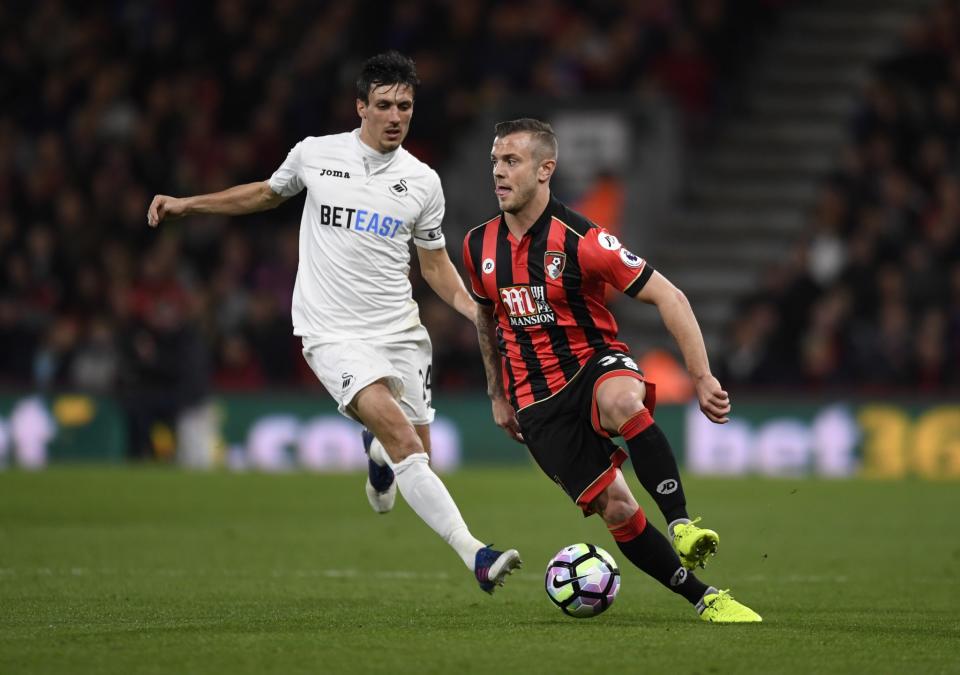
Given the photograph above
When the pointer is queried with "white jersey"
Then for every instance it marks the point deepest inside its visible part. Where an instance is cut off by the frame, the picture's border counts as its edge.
(361, 211)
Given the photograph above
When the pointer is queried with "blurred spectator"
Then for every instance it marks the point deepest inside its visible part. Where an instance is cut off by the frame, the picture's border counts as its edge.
(876, 304)
(96, 363)
(106, 104)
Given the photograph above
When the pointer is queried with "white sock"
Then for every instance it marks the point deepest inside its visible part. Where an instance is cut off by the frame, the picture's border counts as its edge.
(378, 454)
(428, 497)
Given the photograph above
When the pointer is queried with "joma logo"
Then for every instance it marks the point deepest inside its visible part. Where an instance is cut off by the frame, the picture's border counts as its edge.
(334, 173)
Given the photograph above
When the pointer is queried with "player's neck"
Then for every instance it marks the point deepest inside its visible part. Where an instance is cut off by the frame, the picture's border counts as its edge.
(370, 144)
(518, 223)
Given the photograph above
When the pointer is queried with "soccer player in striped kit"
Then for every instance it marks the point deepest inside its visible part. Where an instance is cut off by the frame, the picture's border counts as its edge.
(560, 380)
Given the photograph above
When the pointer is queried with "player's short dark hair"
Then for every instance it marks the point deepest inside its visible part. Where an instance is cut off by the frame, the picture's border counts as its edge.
(386, 69)
(541, 132)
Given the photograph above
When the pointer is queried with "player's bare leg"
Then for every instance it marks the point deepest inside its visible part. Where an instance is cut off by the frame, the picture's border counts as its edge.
(423, 431)
(381, 487)
(642, 543)
(422, 489)
(620, 402)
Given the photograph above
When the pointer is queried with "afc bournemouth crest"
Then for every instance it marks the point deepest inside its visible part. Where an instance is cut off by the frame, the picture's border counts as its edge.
(553, 263)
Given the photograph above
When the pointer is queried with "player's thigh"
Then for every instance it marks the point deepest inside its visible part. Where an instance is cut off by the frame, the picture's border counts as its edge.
(565, 448)
(618, 390)
(377, 407)
(346, 368)
(411, 355)
(618, 398)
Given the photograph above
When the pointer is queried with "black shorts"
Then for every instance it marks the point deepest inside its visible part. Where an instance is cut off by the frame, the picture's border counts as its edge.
(564, 435)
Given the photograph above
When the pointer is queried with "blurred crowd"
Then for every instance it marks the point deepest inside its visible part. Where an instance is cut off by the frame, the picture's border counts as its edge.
(870, 298)
(106, 104)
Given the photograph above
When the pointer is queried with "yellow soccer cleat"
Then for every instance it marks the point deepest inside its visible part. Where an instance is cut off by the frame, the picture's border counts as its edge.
(693, 544)
(720, 607)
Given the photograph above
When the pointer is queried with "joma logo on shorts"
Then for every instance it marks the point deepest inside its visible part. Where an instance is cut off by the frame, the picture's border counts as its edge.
(334, 173)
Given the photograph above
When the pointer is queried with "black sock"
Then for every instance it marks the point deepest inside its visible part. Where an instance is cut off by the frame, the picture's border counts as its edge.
(655, 465)
(652, 553)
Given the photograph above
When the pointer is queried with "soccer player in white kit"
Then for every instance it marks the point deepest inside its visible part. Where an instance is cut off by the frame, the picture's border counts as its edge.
(352, 301)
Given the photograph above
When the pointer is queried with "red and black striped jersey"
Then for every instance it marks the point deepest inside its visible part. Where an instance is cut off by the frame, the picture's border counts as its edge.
(548, 291)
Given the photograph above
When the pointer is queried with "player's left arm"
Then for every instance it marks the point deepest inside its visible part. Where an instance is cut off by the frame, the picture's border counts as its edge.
(435, 264)
(678, 317)
(439, 272)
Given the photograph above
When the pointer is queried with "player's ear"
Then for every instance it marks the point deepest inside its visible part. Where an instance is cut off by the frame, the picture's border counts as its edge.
(361, 108)
(546, 169)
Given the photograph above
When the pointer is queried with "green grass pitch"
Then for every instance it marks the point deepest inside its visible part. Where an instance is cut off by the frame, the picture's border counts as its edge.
(159, 571)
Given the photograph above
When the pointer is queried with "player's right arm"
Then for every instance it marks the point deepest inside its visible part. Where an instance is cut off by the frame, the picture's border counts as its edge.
(503, 413)
(235, 201)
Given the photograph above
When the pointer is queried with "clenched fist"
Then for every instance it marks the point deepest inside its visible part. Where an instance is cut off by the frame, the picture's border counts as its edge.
(162, 207)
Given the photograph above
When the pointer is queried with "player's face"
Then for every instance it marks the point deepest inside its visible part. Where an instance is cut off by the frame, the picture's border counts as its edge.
(516, 171)
(385, 116)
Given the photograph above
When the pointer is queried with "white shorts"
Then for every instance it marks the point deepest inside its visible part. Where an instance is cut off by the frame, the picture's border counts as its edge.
(403, 360)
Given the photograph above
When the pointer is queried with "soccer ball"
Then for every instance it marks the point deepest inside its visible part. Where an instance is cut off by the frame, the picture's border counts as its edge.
(582, 580)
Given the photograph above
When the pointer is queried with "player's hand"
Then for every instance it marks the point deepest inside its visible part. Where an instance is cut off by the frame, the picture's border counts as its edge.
(506, 418)
(162, 207)
(714, 401)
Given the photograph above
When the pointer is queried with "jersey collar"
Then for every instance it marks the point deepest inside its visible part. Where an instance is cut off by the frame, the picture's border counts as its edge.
(373, 161)
(541, 222)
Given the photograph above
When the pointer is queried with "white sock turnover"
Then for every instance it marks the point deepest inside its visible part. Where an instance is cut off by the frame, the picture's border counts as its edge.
(378, 454)
(428, 497)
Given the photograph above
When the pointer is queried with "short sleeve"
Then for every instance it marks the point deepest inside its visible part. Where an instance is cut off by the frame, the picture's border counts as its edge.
(476, 286)
(602, 254)
(287, 181)
(426, 231)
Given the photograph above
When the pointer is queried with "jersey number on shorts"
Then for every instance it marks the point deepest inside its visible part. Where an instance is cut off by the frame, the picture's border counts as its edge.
(425, 383)
(610, 359)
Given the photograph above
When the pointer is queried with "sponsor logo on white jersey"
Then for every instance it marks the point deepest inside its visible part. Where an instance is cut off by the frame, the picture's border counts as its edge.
(334, 173)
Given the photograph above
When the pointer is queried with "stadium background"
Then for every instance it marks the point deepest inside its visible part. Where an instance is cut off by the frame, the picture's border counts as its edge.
(793, 165)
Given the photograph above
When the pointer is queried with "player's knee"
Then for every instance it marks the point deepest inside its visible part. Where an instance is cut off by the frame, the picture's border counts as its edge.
(401, 443)
(619, 511)
(615, 505)
(623, 405)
